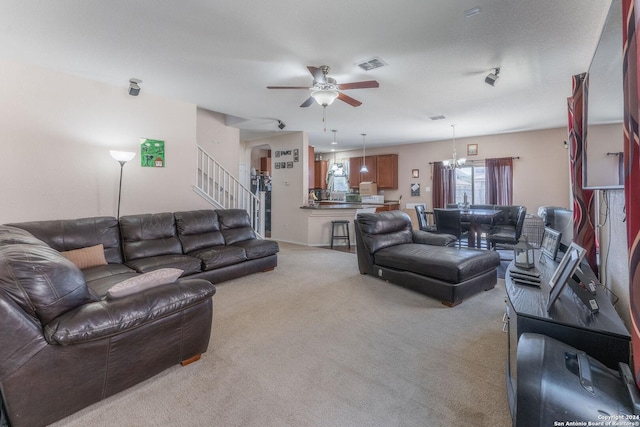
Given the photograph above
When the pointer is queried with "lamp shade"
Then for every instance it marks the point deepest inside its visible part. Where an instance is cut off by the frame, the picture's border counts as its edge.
(122, 156)
(325, 97)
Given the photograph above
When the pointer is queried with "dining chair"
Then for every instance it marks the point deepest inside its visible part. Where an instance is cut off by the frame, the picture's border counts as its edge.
(448, 222)
(423, 224)
(507, 234)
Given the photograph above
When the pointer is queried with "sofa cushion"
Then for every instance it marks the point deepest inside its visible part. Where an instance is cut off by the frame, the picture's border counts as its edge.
(144, 281)
(258, 248)
(219, 256)
(186, 263)
(43, 282)
(12, 235)
(149, 235)
(448, 264)
(86, 257)
(102, 277)
(384, 229)
(198, 229)
(69, 234)
(235, 225)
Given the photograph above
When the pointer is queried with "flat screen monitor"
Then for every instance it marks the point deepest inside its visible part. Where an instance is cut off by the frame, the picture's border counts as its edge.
(570, 261)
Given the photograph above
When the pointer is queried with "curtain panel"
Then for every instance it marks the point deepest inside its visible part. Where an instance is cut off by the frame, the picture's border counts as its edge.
(444, 186)
(583, 231)
(499, 176)
(632, 168)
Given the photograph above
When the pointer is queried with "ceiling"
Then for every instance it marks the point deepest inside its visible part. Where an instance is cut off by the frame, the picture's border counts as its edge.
(221, 55)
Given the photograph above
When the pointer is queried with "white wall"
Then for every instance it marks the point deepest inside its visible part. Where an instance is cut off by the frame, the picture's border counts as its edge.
(55, 137)
(289, 186)
(218, 139)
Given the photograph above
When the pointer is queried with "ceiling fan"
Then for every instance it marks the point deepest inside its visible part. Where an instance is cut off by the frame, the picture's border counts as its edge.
(326, 89)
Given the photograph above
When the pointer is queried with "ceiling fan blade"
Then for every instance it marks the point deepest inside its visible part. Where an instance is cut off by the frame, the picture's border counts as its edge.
(308, 102)
(359, 85)
(287, 87)
(349, 100)
(317, 74)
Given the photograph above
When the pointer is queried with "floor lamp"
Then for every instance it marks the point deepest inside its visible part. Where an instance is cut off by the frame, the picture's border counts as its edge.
(122, 157)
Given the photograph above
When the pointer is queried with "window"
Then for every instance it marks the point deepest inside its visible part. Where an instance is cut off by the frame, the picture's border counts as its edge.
(471, 180)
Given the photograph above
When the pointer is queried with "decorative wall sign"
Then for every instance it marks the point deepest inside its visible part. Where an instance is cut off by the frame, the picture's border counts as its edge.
(296, 155)
(415, 190)
(151, 153)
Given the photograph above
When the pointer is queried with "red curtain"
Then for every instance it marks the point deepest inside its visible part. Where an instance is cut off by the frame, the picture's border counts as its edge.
(444, 186)
(499, 175)
(583, 231)
(632, 168)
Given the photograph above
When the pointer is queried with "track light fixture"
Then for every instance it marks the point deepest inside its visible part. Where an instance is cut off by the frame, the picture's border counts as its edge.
(492, 77)
(134, 89)
(281, 125)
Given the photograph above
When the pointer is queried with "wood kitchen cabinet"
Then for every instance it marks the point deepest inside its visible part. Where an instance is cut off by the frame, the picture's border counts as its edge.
(387, 171)
(356, 177)
(320, 174)
(383, 170)
(265, 165)
(312, 156)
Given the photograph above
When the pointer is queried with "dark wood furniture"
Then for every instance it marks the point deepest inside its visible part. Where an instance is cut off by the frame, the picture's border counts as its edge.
(383, 170)
(601, 335)
(320, 174)
(476, 218)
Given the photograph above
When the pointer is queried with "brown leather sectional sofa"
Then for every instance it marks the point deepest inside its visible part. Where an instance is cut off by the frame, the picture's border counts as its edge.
(389, 249)
(65, 345)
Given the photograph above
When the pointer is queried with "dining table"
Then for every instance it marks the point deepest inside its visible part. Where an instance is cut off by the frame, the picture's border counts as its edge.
(476, 218)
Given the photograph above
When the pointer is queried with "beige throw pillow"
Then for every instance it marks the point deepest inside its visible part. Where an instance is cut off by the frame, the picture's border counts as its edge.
(144, 281)
(86, 257)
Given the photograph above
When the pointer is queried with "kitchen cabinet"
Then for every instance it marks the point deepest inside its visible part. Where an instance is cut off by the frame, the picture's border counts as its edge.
(356, 177)
(387, 171)
(265, 165)
(311, 160)
(320, 174)
(383, 170)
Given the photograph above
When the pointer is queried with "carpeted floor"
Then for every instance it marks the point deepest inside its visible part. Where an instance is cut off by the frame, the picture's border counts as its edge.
(314, 343)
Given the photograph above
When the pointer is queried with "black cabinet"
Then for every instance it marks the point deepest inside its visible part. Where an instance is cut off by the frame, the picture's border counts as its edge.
(601, 335)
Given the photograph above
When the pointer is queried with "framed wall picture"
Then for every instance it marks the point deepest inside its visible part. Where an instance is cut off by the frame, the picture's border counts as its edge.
(415, 190)
(550, 243)
(564, 271)
(415, 173)
(472, 149)
(151, 153)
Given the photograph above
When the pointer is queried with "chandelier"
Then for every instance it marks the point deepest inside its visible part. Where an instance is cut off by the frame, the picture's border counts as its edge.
(454, 162)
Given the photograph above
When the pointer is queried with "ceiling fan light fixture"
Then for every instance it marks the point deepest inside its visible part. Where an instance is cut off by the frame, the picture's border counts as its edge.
(325, 97)
(364, 168)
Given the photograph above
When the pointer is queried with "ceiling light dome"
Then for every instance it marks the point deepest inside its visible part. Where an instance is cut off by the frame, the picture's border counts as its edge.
(325, 97)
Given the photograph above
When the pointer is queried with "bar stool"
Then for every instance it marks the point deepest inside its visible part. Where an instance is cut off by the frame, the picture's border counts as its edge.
(342, 222)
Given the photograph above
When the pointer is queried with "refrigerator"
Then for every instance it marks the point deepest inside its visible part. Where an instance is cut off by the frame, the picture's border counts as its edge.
(263, 183)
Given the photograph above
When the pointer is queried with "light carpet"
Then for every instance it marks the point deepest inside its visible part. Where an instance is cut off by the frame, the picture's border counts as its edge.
(314, 343)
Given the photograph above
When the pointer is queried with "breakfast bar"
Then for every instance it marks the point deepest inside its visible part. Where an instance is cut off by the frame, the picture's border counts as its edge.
(318, 218)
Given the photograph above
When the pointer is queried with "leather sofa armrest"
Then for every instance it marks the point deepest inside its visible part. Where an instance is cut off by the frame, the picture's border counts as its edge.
(20, 335)
(114, 316)
(428, 238)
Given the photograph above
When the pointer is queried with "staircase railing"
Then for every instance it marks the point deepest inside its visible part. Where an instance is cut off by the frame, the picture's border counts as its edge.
(218, 187)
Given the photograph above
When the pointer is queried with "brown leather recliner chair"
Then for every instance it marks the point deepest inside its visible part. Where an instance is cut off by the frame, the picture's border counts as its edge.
(63, 347)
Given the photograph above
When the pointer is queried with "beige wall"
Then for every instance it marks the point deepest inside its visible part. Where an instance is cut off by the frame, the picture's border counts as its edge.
(55, 138)
(541, 175)
(218, 139)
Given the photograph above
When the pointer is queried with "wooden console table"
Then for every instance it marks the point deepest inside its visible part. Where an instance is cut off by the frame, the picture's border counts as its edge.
(601, 335)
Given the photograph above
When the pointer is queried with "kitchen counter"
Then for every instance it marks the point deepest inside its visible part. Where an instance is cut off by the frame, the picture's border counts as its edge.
(318, 218)
(386, 206)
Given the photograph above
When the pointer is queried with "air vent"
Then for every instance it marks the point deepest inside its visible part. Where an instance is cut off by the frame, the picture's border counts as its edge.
(438, 117)
(372, 63)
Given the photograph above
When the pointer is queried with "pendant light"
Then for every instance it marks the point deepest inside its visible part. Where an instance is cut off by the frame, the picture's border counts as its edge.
(334, 167)
(454, 162)
(364, 168)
